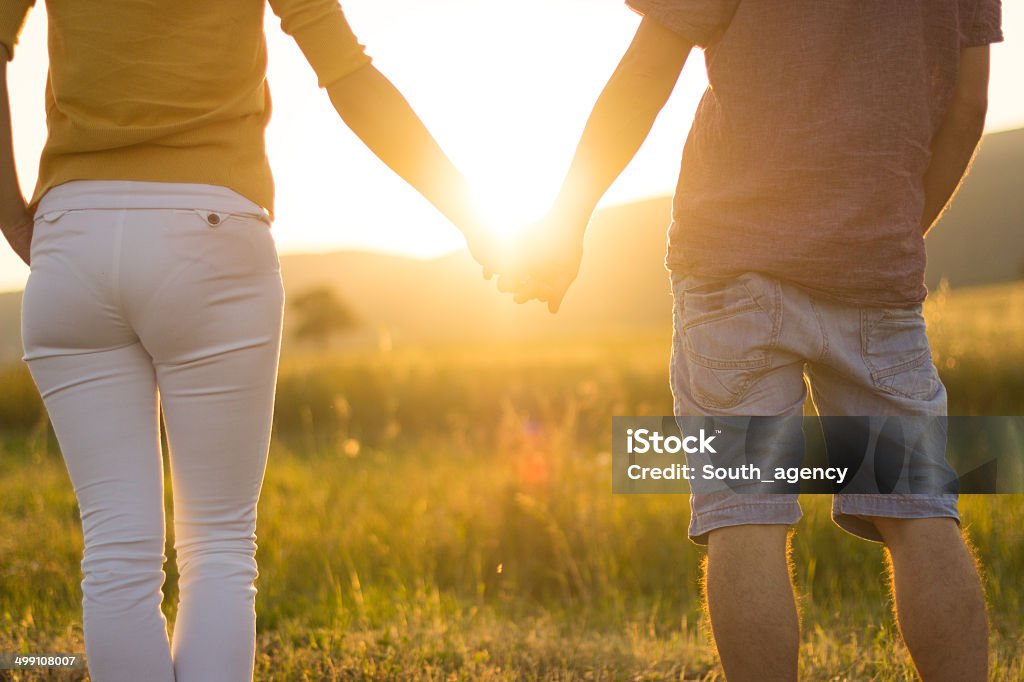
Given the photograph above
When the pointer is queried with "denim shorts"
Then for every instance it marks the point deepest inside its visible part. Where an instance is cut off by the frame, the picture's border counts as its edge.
(753, 345)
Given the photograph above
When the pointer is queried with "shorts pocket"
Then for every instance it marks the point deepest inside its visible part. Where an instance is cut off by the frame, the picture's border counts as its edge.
(730, 328)
(894, 346)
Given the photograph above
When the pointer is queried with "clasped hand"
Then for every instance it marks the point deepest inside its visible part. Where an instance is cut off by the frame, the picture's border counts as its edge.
(538, 264)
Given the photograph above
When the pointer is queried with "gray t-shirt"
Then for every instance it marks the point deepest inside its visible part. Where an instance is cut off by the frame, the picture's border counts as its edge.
(807, 154)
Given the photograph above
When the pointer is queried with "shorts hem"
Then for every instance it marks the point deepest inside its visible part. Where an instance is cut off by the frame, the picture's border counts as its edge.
(852, 512)
(763, 513)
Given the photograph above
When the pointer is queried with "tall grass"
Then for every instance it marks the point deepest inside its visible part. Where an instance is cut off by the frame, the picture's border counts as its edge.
(501, 565)
(447, 514)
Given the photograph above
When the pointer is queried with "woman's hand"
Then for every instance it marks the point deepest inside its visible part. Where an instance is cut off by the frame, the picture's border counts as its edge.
(18, 233)
(486, 248)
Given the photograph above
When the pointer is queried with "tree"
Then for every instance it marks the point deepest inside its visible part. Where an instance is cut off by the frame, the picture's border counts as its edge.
(321, 315)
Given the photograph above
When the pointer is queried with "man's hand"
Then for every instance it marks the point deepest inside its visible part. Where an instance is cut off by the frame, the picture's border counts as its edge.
(619, 123)
(19, 234)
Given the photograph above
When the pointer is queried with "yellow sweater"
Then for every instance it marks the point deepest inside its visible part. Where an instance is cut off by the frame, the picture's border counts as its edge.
(171, 90)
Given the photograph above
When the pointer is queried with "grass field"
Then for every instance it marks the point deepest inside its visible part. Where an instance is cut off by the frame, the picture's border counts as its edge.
(437, 514)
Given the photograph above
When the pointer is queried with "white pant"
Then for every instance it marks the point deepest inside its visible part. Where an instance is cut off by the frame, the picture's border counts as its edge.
(141, 295)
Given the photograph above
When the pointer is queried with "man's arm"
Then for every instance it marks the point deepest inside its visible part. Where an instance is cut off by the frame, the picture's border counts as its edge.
(957, 139)
(622, 118)
(619, 123)
(381, 117)
(15, 220)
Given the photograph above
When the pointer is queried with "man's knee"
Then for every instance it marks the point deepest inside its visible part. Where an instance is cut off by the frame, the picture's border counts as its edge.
(751, 538)
(897, 532)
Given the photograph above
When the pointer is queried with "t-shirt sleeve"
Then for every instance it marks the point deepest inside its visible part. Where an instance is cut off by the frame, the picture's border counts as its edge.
(701, 22)
(984, 26)
(322, 33)
(12, 19)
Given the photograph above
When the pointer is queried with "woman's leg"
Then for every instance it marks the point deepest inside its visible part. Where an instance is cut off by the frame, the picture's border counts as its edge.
(103, 409)
(214, 330)
(99, 388)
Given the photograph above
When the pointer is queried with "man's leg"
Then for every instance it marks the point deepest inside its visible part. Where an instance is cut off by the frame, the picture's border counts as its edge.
(880, 364)
(750, 600)
(729, 360)
(940, 605)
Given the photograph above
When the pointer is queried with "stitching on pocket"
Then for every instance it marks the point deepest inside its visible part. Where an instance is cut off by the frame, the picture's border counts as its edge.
(221, 217)
(880, 374)
(722, 314)
(711, 363)
(51, 216)
(897, 369)
(747, 370)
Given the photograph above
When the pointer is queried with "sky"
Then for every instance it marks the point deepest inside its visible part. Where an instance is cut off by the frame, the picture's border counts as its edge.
(504, 87)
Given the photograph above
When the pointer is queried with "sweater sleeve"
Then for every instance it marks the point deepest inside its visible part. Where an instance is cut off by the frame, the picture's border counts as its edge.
(12, 19)
(322, 33)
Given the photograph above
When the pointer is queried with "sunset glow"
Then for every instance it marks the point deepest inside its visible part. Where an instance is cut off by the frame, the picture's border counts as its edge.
(506, 90)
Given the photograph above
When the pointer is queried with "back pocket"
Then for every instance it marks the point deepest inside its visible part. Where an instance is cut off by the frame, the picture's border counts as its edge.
(894, 345)
(730, 328)
(235, 240)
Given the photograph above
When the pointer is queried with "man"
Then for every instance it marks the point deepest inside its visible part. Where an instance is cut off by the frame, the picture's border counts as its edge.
(830, 139)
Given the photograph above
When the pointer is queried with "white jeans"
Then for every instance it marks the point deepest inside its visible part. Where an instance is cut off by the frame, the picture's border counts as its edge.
(145, 295)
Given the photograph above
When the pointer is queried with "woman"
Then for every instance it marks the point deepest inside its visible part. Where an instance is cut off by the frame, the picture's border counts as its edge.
(155, 283)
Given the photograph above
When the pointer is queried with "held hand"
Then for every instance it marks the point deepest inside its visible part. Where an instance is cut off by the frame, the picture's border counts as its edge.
(486, 249)
(18, 233)
(546, 263)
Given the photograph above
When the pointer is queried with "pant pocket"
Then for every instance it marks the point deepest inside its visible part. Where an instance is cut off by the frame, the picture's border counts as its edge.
(730, 328)
(894, 346)
(243, 240)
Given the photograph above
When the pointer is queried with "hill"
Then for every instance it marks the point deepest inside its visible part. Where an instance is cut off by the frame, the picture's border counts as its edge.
(980, 239)
(622, 285)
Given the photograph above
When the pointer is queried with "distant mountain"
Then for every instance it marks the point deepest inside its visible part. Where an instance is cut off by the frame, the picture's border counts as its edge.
(623, 286)
(980, 240)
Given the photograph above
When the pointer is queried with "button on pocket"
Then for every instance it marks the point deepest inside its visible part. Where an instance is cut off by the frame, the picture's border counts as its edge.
(234, 241)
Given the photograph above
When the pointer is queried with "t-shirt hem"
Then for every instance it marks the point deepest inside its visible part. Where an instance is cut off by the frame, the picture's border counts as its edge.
(865, 299)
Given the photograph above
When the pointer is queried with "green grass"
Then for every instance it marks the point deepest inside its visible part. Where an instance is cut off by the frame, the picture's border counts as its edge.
(433, 564)
(436, 514)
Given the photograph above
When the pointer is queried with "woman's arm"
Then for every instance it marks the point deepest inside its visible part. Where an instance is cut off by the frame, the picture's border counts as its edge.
(15, 220)
(381, 117)
(376, 112)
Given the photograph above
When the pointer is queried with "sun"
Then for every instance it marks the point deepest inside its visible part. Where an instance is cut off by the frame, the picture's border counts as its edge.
(509, 205)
